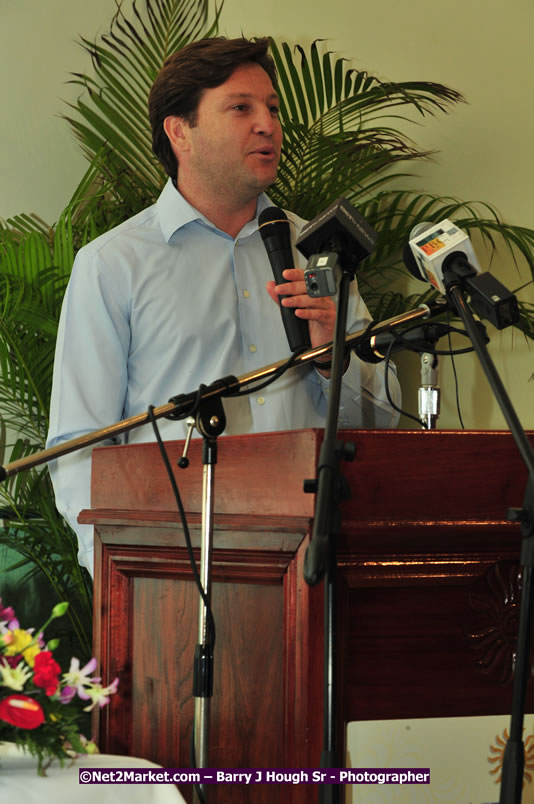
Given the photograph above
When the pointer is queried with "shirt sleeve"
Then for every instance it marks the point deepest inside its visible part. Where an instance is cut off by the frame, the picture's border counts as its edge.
(364, 399)
(89, 384)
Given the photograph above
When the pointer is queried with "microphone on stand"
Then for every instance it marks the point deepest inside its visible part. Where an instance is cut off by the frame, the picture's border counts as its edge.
(442, 254)
(274, 230)
(432, 248)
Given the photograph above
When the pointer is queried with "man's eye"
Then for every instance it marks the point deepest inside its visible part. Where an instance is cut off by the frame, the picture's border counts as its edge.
(275, 110)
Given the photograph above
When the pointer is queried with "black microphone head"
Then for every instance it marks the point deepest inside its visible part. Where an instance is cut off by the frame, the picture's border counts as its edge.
(276, 236)
(338, 228)
(411, 263)
(272, 221)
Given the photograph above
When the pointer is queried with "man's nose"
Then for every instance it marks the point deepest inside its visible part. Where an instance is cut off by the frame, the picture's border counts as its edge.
(264, 122)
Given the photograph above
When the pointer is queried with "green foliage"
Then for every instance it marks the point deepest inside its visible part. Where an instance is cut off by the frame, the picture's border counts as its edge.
(110, 116)
(35, 266)
(62, 727)
(339, 137)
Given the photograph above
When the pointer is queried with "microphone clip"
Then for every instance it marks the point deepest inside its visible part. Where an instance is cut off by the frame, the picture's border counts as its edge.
(491, 300)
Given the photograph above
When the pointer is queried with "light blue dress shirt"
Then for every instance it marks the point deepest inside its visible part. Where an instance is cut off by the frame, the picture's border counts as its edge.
(165, 302)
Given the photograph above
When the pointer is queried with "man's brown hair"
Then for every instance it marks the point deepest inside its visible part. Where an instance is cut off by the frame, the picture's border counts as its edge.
(185, 75)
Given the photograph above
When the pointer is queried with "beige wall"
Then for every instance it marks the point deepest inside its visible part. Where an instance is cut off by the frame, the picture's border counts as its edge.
(480, 47)
(39, 161)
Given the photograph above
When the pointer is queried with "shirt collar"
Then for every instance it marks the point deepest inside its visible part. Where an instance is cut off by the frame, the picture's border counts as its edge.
(175, 212)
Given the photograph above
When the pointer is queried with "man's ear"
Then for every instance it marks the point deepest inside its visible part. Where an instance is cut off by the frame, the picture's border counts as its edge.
(176, 130)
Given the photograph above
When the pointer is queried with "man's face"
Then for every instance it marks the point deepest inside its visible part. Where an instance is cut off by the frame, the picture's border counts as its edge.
(234, 148)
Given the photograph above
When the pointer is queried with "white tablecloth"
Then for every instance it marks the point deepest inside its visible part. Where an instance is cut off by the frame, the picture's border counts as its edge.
(20, 784)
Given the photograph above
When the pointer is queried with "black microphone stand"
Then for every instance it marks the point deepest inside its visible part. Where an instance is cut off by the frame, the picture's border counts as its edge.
(513, 761)
(320, 559)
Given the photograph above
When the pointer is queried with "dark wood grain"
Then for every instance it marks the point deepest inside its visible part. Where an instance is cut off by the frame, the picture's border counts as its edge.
(427, 583)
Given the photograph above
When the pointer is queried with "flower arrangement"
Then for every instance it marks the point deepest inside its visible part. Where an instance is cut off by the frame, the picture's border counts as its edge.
(40, 709)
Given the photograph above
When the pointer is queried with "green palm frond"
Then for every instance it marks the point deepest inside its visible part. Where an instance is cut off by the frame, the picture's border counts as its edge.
(111, 113)
(35, 264)
(341, 128)
(317, 87)
(344, 135)
(31, 289)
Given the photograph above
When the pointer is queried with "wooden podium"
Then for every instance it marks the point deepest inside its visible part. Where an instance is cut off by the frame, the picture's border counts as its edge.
(428, 593)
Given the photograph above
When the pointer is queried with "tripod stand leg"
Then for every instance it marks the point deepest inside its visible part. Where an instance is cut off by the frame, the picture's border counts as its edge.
(330, 793)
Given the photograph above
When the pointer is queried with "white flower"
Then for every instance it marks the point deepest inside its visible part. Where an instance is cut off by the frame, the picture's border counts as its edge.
(99, 695)
(14, 677)
(77, 680)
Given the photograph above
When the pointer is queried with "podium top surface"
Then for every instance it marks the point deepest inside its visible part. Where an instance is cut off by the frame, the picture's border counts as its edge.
(397, 474)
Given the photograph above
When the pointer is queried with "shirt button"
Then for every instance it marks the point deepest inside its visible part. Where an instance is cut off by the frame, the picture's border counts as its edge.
(252, 348)
(260, 400)
(246, 294)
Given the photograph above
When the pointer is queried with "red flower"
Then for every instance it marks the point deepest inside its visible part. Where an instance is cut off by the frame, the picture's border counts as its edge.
(12, 661)
(21, 711)
(46, 672)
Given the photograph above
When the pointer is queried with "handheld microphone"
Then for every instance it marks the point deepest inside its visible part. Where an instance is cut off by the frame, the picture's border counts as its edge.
(274, 230)
(431, 248)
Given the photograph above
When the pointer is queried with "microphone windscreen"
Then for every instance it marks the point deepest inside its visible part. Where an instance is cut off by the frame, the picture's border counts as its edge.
(419, 228)
(409, 260)
(411, 263)
(272, 220)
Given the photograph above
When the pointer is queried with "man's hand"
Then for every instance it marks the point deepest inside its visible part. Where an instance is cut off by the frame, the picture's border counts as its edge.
(320, 312)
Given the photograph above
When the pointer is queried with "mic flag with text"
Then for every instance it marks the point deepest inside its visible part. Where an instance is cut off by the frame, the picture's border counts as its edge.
(274, 230)
(442, 254)
(431, 248)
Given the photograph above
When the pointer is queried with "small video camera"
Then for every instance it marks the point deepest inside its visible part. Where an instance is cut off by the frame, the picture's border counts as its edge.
(322, 274)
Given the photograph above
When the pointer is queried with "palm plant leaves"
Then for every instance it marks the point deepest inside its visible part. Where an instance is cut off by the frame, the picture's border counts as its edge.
(35, 264)
(344, 135)
(339, 137)
(111, 114)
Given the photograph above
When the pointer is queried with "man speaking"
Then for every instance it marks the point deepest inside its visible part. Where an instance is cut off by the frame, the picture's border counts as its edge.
(179, 294)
